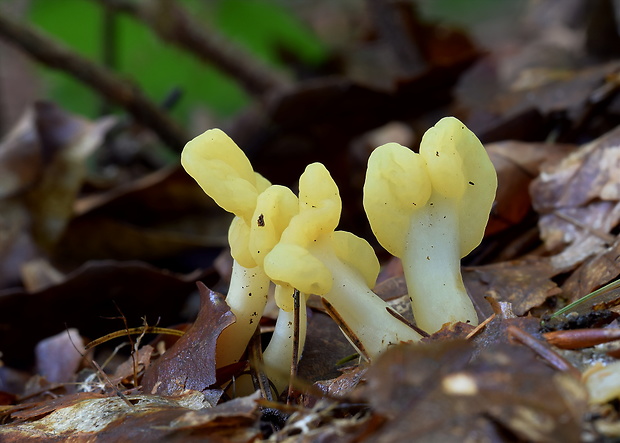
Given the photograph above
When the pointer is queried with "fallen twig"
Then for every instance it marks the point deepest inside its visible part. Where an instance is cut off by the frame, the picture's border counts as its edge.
(173, 24)
(106, 82)
(544, 351)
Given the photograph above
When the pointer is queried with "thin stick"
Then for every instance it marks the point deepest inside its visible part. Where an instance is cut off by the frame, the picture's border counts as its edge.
(100, 371)
(255, 356)
(554, 359)
(118, 392)
(480, 327)
(109, 43)
(294, 360)
(399, 317)
(131, 342)
(106, 82)
(173, 24)
(353, 338)
(134, 331)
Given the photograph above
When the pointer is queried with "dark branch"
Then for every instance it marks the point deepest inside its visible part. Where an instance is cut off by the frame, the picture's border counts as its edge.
(174, 25)
(106, 82)
(392, 19)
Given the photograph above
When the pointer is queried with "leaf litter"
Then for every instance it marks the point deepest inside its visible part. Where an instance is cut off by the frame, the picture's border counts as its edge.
(81, 257)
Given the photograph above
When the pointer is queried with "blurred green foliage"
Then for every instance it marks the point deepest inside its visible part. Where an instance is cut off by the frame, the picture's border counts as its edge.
(261, 26)
(468, 13)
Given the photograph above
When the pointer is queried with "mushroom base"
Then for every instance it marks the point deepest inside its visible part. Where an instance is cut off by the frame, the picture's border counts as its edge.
(247, 297)
(432, 266)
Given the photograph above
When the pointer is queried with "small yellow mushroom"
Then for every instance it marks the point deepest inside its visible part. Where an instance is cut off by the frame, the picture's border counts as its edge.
(262, 213)
(274, 209)
(431, 209)
(337, 265)
(224, 172)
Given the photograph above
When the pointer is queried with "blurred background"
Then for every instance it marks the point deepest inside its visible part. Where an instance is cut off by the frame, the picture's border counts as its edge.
(299, 39)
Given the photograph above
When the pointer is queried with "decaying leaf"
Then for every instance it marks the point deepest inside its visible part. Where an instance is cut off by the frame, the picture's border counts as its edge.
(59, 357)
(39, 274)
(84, 417)
(438, 392)
(42, 164)
(236, 413)
(517, 164)
(159, 215)
(21, 157)
(578, 200)
(88, 299)
(344, 384)
(593, 273)
(525, 283)
(585, 175)
(190, 362)
(136, 363)
(325, 347)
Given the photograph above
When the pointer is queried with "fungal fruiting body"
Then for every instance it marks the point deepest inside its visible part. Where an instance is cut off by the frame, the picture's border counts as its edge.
(224, 172)
(275, 208)
(431, 209)
(337, 265)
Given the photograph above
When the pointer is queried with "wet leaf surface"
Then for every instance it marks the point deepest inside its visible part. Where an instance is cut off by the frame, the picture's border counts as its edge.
(190, 362)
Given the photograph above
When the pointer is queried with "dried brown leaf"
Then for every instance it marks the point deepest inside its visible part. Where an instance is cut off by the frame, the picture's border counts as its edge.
(190, 362)
(87, 300)
(588, 174)
(134, 364)
(593, 273)
(39, 274)
(42, 165)
(21, 157)
(439, 392)
(71, 140)
(578, 200)
(157, 216)
(242, 411)
(344, 384)
(517, 164)
(16, 243)
(59, 357)
(86, 417)
(525, 283)
(32, 411)
(325, 346)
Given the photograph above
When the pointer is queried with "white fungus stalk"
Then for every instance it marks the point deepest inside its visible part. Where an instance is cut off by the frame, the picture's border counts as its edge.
(279, 353)
(365, 314)
(246, 298)
(224, 172)
(432, 267)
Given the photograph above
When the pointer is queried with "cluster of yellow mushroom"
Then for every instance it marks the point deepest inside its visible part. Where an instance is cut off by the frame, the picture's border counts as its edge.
(430, 209)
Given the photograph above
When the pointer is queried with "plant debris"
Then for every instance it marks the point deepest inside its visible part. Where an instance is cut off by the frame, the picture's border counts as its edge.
(103, 236)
